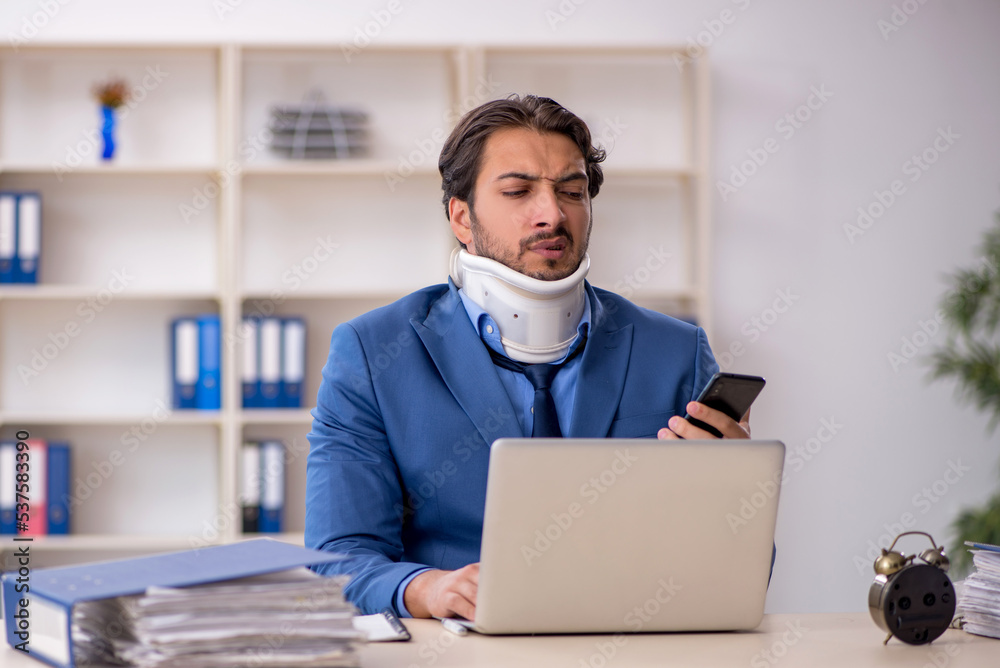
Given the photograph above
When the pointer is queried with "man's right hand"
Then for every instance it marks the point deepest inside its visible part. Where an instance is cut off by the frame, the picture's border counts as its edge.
(443, 593)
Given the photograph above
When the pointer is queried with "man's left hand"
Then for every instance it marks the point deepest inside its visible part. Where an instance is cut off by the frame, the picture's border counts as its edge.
(679, 428)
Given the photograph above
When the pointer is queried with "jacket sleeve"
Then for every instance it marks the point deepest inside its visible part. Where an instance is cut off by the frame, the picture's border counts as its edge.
(354, 498)
(705, 365)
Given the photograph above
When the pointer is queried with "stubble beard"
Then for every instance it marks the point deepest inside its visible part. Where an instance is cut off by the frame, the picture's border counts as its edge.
(489, 247)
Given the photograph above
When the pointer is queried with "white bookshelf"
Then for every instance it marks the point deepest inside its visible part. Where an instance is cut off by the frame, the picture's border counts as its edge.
(204, 123)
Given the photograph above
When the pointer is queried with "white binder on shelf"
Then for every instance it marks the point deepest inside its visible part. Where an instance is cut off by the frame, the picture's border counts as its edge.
(8, 236)
(29, 237)
(270, 363)
(293, 367)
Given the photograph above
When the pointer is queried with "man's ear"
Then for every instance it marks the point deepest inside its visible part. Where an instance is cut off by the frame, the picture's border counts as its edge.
(461, 220)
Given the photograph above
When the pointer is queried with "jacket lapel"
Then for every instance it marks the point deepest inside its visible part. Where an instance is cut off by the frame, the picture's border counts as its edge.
(602, 373)
(465, 365)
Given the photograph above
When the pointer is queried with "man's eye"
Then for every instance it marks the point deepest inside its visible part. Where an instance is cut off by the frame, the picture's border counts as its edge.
(573, 194)
(513, 193)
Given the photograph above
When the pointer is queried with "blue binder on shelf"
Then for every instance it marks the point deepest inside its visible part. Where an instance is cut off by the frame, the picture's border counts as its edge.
(54, 591)
(8, 236)
(272, 487)
(184, 362)
(270, 363)
(293, 361)
(8, 491)
(59, 477)
(209, 394)
(29, 237)
(250, 367)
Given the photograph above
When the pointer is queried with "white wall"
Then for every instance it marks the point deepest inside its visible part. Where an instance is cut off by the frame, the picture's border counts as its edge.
(826, 358)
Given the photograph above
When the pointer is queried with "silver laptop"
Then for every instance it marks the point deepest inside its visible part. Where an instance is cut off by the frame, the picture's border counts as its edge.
(606, 535)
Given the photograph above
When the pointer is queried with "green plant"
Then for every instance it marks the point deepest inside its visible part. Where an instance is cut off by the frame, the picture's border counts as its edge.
(971, 356)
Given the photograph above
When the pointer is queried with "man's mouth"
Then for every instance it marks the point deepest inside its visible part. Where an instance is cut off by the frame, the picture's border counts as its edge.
(551, 249)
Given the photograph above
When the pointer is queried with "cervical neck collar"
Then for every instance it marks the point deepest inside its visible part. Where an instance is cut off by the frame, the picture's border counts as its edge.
(537, 319)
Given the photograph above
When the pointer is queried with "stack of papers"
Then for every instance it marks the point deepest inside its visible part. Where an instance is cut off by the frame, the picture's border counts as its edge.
(979, 598)
(286, 618)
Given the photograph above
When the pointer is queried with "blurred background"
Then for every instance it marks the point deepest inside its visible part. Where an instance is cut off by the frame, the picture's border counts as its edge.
(872, 128)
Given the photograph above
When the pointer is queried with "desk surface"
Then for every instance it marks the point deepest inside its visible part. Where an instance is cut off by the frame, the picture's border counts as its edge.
(835, 640)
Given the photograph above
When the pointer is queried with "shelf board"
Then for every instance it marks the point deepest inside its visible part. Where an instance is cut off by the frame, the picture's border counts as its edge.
(150, 543)
(112, 168)
(43, 292)
(295, 538)
(276, 416)
(177, 418)
(656, 171)
(110, 542)
(381, 296)
(346, 167)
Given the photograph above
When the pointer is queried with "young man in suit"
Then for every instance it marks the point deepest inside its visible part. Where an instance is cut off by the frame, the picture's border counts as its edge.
(516, 344)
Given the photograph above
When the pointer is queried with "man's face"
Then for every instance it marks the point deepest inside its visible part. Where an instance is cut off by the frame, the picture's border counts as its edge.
(531, 206)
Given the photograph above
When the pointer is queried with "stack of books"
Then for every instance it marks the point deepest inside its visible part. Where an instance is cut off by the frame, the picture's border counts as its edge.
(249, 603)
(979, 597)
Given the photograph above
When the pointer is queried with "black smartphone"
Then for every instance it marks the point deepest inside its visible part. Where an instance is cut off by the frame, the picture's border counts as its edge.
(731, 393)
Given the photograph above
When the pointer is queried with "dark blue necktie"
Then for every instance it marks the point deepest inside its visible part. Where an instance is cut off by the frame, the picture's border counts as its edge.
(545, 423)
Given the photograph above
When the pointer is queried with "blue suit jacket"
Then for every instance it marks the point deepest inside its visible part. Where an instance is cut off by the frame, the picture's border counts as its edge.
(410, 403)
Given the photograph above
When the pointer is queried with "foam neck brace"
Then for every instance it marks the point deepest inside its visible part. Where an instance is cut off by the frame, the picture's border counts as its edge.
(538, 319)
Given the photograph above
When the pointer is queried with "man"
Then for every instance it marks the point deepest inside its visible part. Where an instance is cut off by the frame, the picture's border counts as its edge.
(414, 393)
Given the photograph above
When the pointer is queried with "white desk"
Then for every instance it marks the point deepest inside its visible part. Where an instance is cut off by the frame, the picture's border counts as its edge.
(785, 641)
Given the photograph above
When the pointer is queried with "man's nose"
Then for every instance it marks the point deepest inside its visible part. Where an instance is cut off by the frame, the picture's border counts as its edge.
(546, 211)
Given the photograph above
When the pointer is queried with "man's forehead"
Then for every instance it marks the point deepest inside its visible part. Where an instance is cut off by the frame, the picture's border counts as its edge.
(523, 151)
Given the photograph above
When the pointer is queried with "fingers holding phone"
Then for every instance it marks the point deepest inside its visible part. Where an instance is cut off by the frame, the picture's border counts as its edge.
(722, 410)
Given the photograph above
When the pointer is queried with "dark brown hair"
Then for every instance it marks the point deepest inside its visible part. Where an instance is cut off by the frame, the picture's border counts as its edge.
(461, 155)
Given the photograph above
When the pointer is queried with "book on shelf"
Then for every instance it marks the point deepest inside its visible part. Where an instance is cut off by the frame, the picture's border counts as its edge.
(262, 486)
(273, 361)
(20, 236)
(40, 472)
(214, 606)
(196, 362)
(979, 594)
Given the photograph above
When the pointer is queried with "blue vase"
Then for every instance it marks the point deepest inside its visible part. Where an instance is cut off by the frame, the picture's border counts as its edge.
(108, 132)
